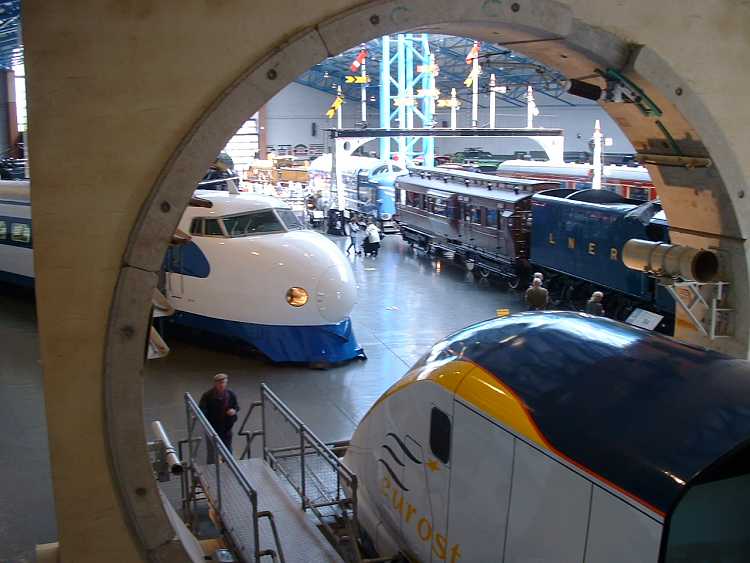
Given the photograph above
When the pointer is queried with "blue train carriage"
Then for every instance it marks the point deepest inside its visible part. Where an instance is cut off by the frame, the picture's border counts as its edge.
(480, 219)
(371, 192)
(559, 436)
(16, 240)
(577, 241)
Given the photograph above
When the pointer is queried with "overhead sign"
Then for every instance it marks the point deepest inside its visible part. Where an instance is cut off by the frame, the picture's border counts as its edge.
(357, 79)
(428, 92)
(403, 102)
(448, 103)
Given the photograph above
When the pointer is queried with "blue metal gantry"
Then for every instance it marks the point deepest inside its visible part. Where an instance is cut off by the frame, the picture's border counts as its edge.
(406, 99)
(11, 48)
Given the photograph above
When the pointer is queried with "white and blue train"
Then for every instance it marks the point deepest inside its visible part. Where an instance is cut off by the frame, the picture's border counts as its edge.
(16, 256)
(248, 273)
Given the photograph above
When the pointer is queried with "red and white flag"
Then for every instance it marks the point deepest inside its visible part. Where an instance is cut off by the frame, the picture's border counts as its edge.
(473, 53)
(359, 61)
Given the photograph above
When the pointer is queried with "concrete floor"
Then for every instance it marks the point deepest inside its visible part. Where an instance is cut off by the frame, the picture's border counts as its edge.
(407, 301)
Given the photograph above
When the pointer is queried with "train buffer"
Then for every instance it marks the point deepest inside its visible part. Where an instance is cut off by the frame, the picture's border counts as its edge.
(293, 504)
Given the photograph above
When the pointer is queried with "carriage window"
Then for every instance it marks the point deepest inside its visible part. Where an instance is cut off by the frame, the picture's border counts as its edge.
(3, 230)
(440, 435)
(290, 219)
(196, 227)
(212, 228)
(476, 215)
(439, 206)
(413, 199)
(20, 232)
(639, 193)
(379, 170)
(258, 222)
(491, 218)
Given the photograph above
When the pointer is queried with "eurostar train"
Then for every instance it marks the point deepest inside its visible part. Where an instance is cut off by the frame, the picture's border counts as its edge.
(559, 437)
(250, 272)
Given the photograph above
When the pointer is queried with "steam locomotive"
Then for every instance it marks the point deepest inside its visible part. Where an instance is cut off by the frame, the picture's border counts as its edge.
(510, 227)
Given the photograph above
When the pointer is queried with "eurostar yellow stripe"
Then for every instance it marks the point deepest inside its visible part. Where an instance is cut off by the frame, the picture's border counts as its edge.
(485, 391)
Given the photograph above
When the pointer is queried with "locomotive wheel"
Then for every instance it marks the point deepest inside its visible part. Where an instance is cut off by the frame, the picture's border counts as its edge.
(483, 272)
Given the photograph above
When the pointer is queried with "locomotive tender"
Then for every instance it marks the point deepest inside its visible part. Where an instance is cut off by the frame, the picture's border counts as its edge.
(511, 227)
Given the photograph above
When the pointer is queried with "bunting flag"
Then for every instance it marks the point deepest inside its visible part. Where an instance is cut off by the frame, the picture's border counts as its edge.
(335, 106)
(359, 61)
(473, 53)
(473, 75)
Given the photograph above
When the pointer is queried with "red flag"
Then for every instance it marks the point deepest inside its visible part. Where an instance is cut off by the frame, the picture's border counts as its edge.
(359, 61)
(473, 54)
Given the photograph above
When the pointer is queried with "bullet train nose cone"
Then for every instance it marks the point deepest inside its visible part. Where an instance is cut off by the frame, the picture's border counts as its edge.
(336, 293)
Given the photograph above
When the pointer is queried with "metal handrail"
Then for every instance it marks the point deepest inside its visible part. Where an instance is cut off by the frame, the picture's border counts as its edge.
(193, 411)
(249, 436)
(309, 442)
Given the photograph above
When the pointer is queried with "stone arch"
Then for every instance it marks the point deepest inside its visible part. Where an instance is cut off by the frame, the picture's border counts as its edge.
(698, 201)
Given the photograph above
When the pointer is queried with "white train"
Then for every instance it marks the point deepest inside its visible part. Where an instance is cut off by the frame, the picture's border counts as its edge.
(16, 255)
(249, 272)
(252, 273)
(559, 437)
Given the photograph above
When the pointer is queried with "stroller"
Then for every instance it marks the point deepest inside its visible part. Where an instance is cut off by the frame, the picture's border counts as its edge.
(370, 247)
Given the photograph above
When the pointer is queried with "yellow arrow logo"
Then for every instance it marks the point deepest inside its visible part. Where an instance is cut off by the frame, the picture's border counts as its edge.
(357, 79)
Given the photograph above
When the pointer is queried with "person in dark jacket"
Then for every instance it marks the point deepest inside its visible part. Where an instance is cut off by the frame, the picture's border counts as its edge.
(219, 405)
(594, 305)
(536, 296)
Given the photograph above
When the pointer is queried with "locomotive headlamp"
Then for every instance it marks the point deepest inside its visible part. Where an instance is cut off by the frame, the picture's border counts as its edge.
(296, 296)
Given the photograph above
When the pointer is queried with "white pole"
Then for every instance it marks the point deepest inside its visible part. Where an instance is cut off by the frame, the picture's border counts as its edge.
(475, 93)
(597, 157)
(454, 103)
(529, 108)
(432, 86)
(340, 110)
(492, 101)
(363, 97)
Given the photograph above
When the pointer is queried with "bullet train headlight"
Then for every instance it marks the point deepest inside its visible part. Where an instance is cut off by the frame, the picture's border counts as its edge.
(296, 296)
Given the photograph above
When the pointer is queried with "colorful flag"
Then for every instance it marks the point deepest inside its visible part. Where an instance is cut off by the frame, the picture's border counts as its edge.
(473, 75)
(335, 106)
(359, 61)
(473, 53)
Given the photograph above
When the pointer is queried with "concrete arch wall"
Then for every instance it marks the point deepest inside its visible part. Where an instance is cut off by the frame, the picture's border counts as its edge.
(118, 88)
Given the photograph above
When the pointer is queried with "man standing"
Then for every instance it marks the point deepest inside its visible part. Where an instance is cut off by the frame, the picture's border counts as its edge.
(219, 405)
(594, 305)
(537, 296)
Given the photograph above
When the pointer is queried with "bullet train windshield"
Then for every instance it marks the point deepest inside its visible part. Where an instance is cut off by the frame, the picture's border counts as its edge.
(259, 222)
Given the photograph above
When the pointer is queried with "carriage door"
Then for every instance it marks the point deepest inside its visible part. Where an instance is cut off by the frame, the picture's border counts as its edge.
(427, 464)
(480, 483)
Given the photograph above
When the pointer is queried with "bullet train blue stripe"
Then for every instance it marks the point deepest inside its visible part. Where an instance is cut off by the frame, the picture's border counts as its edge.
(16, 279)
(322, 343)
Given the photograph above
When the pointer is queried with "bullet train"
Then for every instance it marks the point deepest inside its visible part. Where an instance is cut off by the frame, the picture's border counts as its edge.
(559, 437)
(248, 272)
